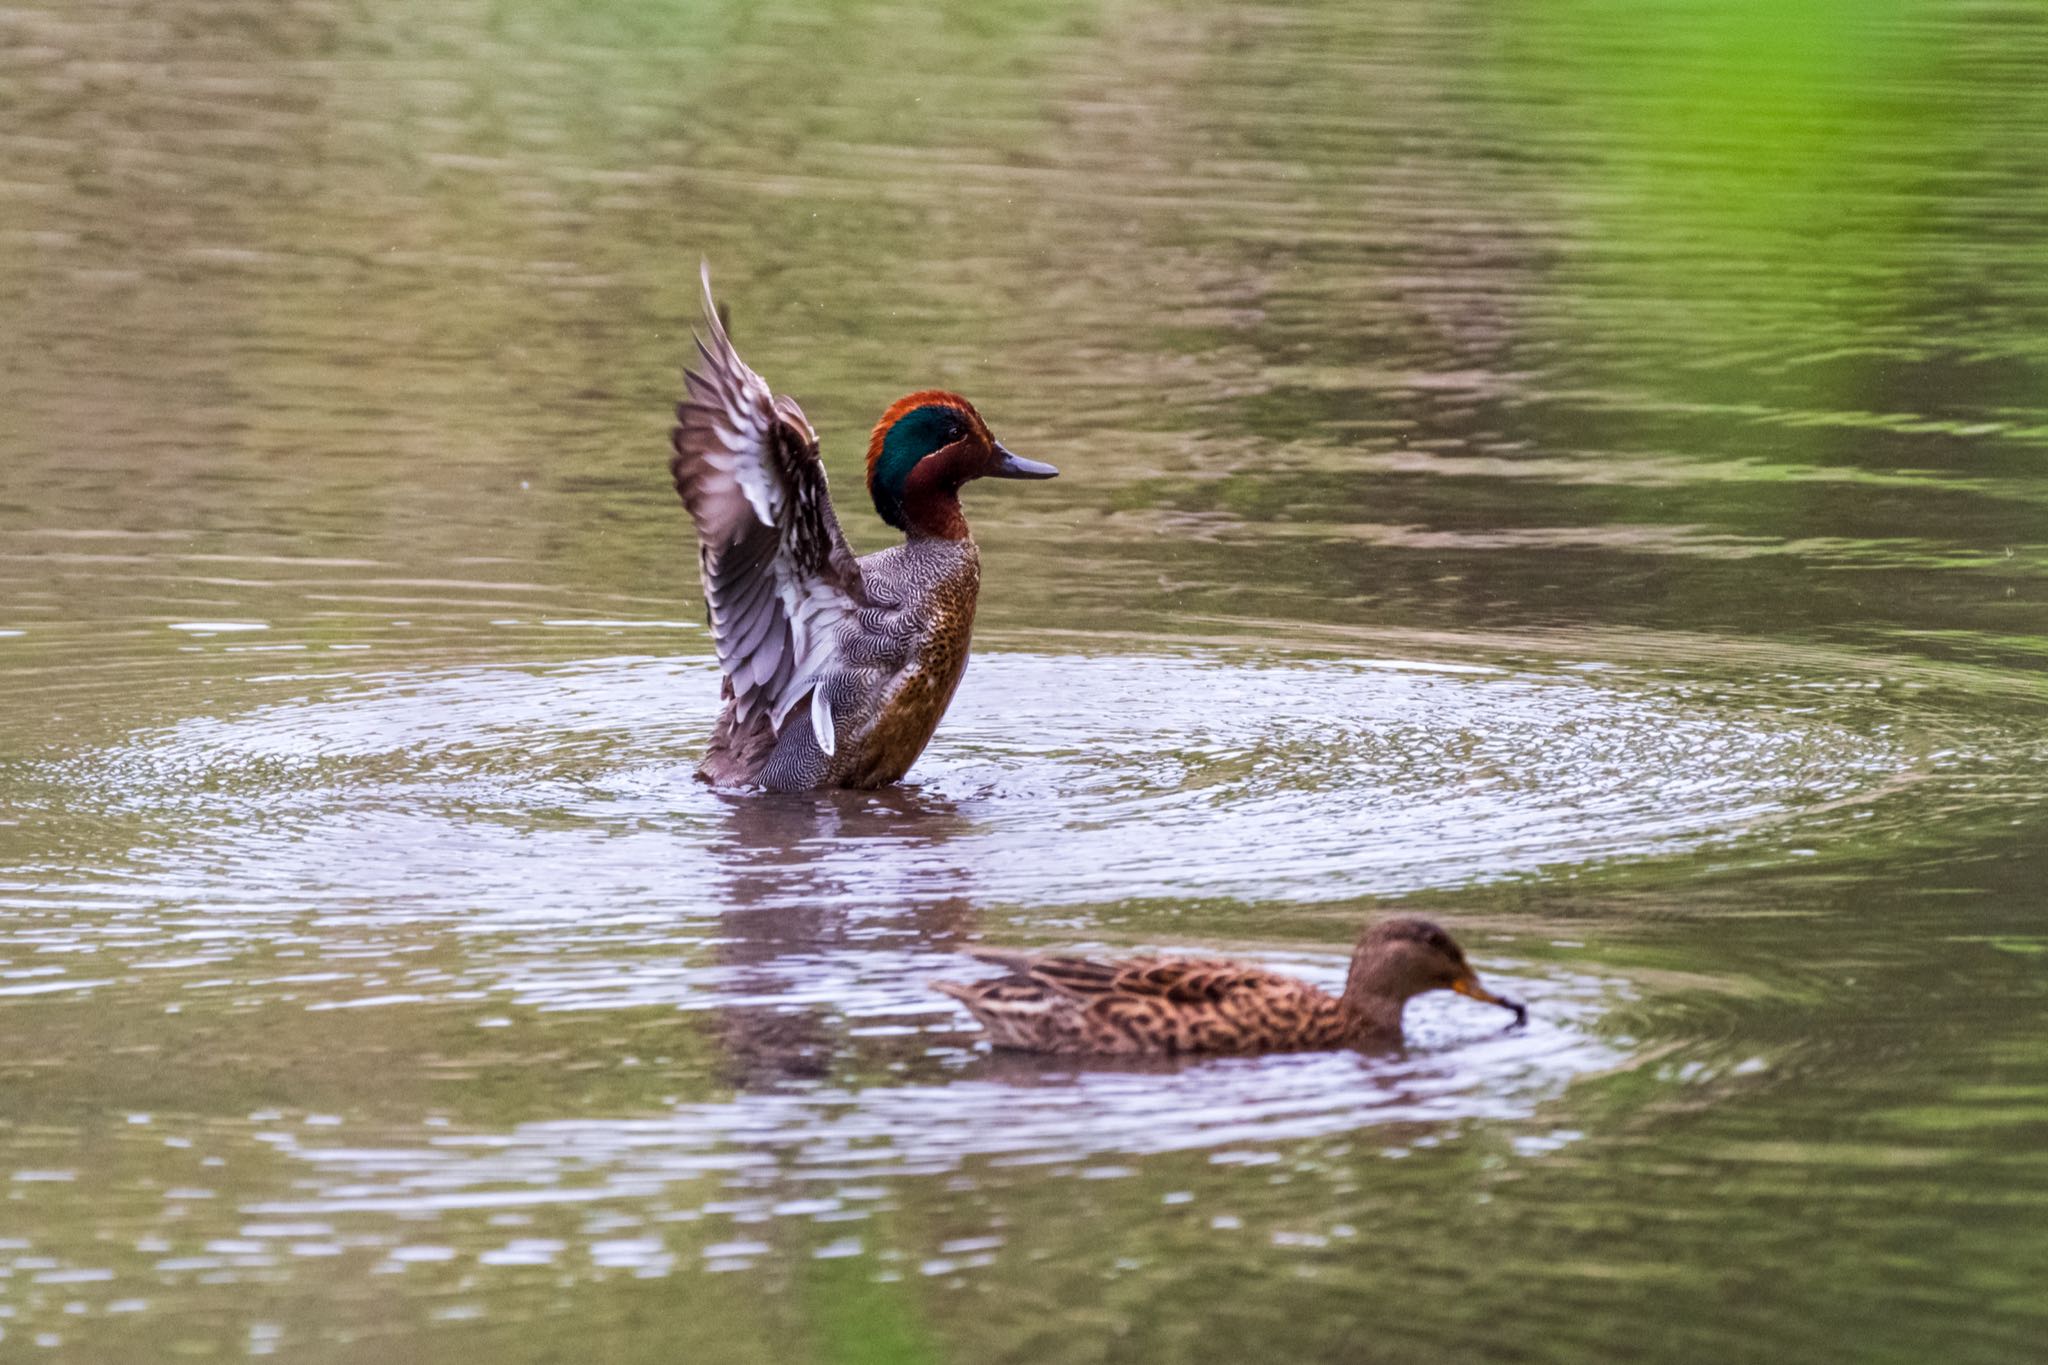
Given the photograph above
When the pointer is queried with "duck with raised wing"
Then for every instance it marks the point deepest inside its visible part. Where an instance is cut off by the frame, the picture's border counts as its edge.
(1169, 1006)
(837, 669)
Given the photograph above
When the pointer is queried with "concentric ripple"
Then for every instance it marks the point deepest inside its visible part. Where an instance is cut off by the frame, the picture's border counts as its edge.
(1056, 779)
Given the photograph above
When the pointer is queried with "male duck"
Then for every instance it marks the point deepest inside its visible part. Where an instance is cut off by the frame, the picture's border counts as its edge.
(1165, 1006)
(864, 652)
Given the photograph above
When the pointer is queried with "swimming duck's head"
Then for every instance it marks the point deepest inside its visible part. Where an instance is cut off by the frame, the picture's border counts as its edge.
(1407, 955)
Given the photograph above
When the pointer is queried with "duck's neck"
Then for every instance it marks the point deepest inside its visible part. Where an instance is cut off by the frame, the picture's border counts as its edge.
(1372, 1003)
(931, 498)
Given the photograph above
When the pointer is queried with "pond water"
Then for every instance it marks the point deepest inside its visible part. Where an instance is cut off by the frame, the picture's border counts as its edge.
(1578, 471)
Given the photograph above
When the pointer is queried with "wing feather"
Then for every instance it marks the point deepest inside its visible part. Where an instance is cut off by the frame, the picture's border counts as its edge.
(779, 578)
(1179, 980)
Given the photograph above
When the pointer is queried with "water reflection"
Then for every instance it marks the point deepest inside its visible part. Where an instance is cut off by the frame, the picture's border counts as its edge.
(800, 852)
(789, 914)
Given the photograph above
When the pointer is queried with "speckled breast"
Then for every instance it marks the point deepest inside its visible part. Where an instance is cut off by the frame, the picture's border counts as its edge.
(911, 710)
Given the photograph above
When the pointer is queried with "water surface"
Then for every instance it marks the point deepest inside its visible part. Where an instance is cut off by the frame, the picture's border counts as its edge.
(1577, 472)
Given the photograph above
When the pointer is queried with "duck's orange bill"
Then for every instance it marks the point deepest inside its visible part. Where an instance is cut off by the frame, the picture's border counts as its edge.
(1468, 986)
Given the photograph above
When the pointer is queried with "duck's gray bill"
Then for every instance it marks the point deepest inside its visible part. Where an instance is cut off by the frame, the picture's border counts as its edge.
(1009, 466)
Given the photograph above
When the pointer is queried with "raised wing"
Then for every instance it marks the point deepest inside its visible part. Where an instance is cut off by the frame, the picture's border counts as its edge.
(778, 576)
(1178, 980)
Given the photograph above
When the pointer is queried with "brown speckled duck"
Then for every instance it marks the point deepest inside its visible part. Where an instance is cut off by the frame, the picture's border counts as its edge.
(836, 669)
(1168, 1006)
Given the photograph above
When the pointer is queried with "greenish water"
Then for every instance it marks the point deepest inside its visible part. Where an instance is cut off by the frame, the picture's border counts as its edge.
(1579, 470)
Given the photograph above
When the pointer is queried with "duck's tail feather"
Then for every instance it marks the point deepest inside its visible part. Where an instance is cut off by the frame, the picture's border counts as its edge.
(964, 994)
(1012, 960)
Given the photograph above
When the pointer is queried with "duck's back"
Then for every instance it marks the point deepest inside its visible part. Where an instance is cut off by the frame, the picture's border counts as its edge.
(1148, 1007)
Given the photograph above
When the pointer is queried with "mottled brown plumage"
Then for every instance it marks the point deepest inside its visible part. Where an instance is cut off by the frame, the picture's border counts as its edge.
(1167, 1006)
(837, 669)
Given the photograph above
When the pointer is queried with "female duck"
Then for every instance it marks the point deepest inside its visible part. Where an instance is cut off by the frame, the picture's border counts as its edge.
(1162, 1006)
(836, 669)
